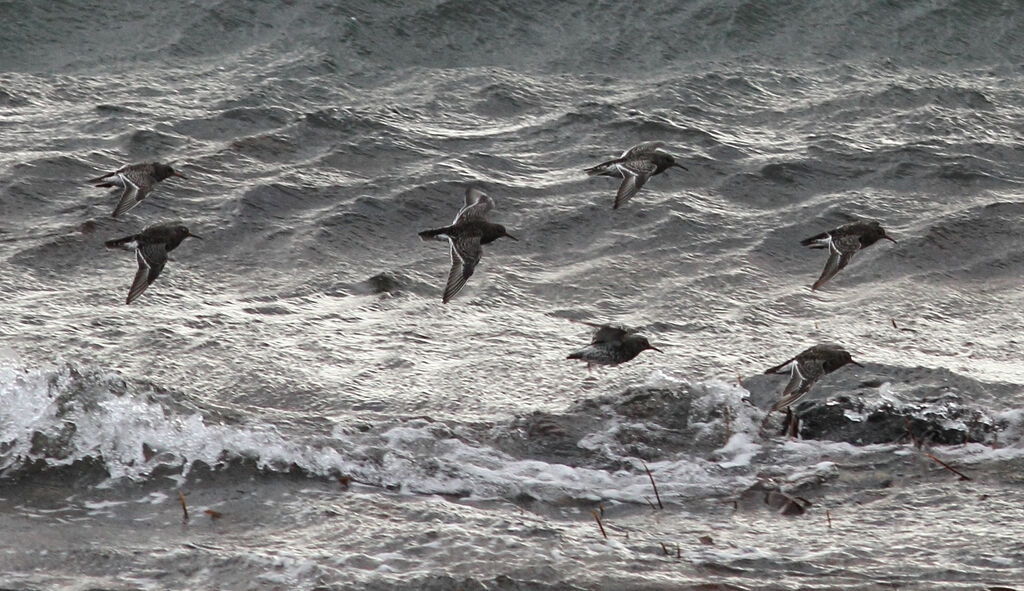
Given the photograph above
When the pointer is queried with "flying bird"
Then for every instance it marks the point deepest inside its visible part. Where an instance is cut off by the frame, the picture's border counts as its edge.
(635, 167)
(612, 345)
(465, 235)
(151, 247)
(136, 180)
(844, 242)
(807, 368)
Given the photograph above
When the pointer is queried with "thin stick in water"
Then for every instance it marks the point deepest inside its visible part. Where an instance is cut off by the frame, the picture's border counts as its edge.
(948, 467)
(654, 486)
(597, 518)
(917, 444)
(910, 431)
(184, 509)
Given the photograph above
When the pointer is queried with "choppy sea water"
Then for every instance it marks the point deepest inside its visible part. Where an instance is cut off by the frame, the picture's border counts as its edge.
(296, 374)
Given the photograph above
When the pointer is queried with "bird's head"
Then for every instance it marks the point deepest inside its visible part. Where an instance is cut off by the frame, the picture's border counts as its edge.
(844, 358)
(646, 345)
(665, 160)
(166, 170)
(878, 232)
(503, 233)
(183, 232)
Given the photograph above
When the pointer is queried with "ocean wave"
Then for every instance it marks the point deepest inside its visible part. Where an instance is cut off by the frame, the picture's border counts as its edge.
(572, 35)
(698, 439)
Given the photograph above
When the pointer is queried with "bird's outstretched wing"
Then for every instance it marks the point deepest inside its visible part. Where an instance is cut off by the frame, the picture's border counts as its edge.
(841, 251)
(130, 197)
(635, 174)
(606, 333)
(796, 388)
(804, 372)
(477, 206)
(465, 253)
(151, 259)
(643, 148)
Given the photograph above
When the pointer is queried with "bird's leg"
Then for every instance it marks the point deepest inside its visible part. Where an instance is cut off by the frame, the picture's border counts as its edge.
(791, 423)
(764, 422)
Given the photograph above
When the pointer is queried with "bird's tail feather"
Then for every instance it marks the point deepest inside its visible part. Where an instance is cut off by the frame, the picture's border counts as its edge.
(816, 241)
(784, 367)
(601, 169)
(432, 234)
(119, 241)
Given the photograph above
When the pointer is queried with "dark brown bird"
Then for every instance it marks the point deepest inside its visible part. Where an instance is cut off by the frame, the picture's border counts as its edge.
(844, 242)
(151, 247)
(468, 232)
(137, 180)
(807, 368)
(635, 167)
(612, 345)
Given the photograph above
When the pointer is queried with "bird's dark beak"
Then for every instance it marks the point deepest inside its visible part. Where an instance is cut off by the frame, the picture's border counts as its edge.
(680, 166)
(855, 363)
(507, 235)
(653, 348)
(191, 235)
(890, 239)
(178, 174)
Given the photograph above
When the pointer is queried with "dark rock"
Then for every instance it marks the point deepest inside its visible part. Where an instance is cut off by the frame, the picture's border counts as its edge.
(875, 404)
(840, 420)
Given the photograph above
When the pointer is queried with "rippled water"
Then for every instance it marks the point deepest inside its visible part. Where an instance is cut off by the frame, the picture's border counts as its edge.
(296, 372)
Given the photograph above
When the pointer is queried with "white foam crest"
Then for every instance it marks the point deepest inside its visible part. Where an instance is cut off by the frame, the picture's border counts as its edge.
(459, 468)
(420, 459)
(416, 457)
(1008, 446)
(740, 449)
(99, 424)
(26, 407)
(114, 424)
(1013, 434)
